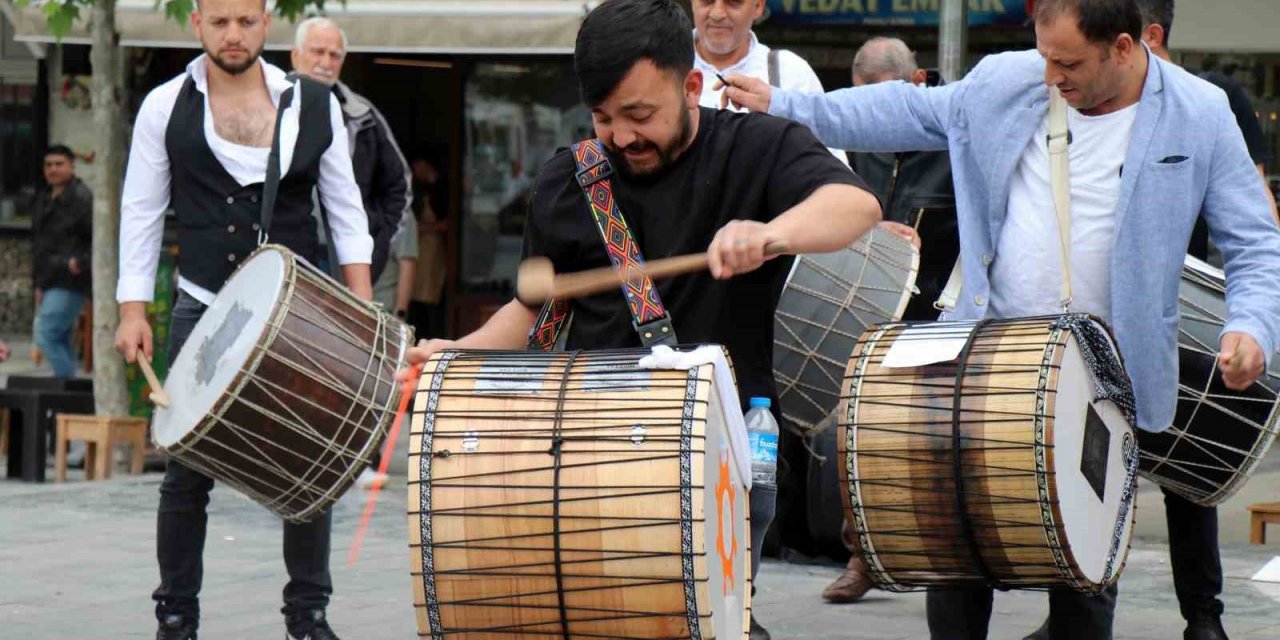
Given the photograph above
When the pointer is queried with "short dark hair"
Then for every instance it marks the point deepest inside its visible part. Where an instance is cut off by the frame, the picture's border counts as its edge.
(1101, 21)
(60, 150)
(1158, 12)
(620, 33)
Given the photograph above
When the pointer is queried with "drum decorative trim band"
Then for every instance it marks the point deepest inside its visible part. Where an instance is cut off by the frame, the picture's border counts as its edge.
(1048, 500)
(686, 506)
(424, 502)
(879, 575)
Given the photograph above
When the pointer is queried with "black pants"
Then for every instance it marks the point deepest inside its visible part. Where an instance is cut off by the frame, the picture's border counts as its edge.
(1193, 553)
(964, 614)
(182, 522)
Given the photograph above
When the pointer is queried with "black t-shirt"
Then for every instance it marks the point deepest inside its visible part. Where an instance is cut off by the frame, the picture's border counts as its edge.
(740, 166)
(1247, 120)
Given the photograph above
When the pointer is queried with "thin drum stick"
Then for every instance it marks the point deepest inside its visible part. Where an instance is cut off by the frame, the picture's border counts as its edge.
(538, 282)
(158, 395)
(410, 387)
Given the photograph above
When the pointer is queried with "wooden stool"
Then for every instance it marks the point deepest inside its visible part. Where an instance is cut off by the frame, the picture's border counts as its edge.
(1259, 516)
(101, 434)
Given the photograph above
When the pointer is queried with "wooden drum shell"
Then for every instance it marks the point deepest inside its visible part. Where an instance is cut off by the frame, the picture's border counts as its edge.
(483, 510)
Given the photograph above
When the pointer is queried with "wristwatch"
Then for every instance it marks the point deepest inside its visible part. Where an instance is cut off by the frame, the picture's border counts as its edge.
(402, 313)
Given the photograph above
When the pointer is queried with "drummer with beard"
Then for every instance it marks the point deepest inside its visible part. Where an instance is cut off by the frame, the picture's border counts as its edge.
(687, 179)
(201, 146)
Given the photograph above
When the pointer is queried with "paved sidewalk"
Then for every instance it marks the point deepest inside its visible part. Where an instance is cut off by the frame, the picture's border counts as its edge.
(78, 560)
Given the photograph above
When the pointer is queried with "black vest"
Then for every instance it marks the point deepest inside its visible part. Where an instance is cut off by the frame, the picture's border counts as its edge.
(218, 220)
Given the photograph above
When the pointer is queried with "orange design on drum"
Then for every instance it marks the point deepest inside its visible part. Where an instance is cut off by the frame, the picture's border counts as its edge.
(725, 494)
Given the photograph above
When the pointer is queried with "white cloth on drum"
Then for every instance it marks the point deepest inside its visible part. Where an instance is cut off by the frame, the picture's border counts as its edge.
(664, 357)
(145, 197)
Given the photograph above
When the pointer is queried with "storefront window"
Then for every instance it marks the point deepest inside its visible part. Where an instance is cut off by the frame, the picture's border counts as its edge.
(517, 115)
(19, 150)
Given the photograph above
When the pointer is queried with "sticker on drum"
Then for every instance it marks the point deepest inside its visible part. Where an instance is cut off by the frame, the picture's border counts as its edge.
(612, 376)
(511, 375)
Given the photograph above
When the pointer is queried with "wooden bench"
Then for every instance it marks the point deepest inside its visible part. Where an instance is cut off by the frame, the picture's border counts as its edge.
(1259, 516)
(101, 434)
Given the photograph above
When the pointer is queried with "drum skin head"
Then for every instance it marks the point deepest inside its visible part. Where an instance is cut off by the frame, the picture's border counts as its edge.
(1090, 442)
(221, 344)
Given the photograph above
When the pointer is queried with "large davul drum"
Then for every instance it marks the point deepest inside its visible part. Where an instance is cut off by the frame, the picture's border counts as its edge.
(828, 301)
(286, 386)
(575, 495)
(997, 453)
(1219, 435)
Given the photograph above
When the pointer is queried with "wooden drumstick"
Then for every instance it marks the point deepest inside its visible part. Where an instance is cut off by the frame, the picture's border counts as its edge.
(158, 395)
(537, 280)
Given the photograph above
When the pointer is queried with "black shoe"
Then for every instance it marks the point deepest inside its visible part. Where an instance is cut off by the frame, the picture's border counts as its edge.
(758, 632)
(1040, 634)
(310, 625)
(1205, 629)
(175, 627)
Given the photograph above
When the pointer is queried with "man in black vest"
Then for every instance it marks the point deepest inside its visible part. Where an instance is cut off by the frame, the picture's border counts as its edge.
(201, 144)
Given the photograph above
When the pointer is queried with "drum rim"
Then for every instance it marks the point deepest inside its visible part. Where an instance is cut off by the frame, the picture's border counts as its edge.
(913, 272)
(201, 427)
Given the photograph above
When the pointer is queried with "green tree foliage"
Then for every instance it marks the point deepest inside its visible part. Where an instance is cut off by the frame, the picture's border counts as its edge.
(62, 14)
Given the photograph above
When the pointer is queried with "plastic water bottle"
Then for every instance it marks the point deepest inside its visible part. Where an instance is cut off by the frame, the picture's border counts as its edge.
(762, 430)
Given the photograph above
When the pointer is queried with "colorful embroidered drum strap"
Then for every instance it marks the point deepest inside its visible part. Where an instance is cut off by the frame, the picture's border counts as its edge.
(648, 316)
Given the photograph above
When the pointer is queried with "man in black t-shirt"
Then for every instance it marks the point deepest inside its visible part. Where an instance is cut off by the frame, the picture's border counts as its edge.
(687, 180)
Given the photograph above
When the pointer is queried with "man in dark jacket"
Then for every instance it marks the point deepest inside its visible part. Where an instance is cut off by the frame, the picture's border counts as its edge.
(915, 186)
(62, 234)
(320, 48)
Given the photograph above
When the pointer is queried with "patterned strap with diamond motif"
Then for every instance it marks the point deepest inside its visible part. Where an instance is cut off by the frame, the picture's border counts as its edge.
(648, 316)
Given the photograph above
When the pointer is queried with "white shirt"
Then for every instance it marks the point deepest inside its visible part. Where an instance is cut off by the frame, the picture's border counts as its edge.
(145, 197)
(1026, 276)
(794, 74)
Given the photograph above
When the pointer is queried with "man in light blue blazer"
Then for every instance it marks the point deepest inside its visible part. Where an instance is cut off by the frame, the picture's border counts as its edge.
(1152, 148)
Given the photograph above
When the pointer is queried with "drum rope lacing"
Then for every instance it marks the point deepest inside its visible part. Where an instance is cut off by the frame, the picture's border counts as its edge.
(957, 458)
(557, 448)
(568, 424)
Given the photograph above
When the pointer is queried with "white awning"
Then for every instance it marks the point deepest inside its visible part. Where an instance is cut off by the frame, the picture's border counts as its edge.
(391, 26)
(1227, 26)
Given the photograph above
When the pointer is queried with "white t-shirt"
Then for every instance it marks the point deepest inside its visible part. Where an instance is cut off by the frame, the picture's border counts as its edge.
(1026, 276)
(794, 74)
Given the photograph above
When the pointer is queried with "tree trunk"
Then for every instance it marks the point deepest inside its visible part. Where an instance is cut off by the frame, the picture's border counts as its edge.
(110, 390)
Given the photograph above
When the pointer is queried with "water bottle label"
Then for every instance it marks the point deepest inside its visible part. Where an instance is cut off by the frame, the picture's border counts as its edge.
(764, 447)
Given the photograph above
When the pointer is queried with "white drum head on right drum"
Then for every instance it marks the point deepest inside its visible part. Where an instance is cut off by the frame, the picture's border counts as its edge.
(1091, 440)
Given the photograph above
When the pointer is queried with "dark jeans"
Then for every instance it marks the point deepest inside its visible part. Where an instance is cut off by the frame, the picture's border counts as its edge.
(964, 614)
(182, 522)
(763, 504)
(1193, 553)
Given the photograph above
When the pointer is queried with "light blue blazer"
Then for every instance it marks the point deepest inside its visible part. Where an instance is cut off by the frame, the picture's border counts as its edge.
(1186, 157)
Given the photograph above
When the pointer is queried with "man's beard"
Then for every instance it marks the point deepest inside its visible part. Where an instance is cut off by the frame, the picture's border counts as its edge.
(235, 69)
(667, 153)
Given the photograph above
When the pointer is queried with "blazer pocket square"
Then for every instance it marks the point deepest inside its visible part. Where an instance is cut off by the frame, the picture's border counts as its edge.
(1172, 160)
